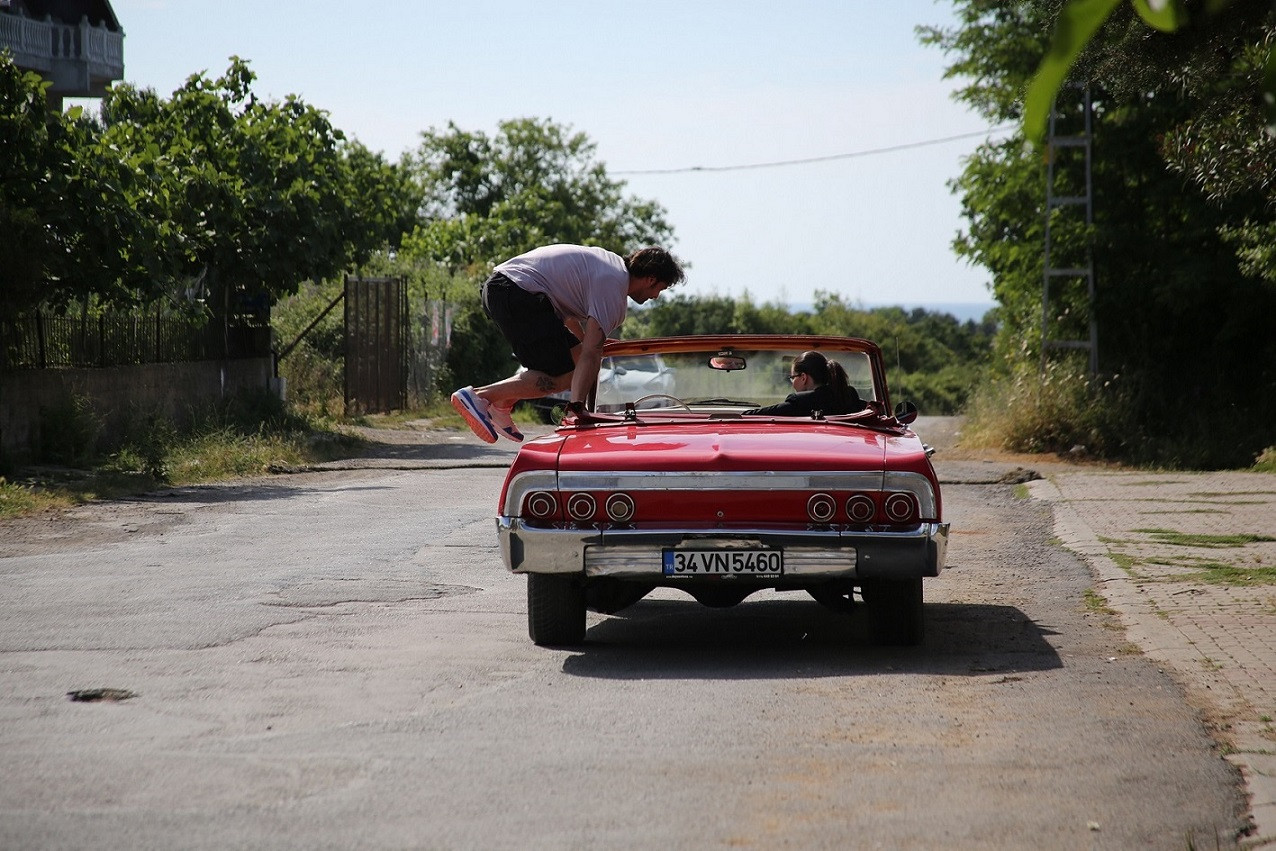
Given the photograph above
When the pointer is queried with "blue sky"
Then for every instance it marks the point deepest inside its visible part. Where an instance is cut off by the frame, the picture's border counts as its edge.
(657, 85)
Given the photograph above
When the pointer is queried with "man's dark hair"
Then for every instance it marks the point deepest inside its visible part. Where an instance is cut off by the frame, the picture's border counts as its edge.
(654, 262)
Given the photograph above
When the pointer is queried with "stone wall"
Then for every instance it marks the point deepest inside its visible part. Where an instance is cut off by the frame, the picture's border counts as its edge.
(118, 394)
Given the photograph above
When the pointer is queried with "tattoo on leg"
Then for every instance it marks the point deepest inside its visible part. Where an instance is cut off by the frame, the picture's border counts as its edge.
(544, 383)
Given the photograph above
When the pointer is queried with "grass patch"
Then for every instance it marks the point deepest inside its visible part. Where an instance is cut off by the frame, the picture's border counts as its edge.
(1216, 494)
(247, 436)
(21, 498)
(1180, 539)
(441, 415)
(1266, 461)
(1214, 573)
(1125, 562)
(1095, 603)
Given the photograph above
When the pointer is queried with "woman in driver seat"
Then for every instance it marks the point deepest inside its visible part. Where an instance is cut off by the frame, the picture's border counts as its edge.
(820, 385)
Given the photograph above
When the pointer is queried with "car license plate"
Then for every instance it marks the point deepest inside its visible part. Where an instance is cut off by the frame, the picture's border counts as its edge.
(723, 562)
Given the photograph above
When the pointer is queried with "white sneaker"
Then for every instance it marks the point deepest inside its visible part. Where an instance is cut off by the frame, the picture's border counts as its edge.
(475, 412)
(503, 421)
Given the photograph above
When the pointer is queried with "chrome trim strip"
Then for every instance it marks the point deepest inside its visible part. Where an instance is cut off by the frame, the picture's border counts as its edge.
(524, 483)
(697, 480)
(915, 483)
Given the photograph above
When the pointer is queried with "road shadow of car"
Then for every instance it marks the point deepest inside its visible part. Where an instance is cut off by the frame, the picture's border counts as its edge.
(669, 639)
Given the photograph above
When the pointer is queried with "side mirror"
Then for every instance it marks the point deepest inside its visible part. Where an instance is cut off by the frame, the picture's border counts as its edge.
(905, 412)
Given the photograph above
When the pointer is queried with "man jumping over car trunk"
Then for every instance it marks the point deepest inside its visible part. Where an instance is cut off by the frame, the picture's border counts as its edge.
(556, 305)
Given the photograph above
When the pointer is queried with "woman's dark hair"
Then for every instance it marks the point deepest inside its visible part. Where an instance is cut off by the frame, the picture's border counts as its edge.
(825, 371)
(654, 262)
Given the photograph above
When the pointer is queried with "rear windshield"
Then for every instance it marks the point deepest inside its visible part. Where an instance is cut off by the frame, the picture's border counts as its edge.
(687, 377)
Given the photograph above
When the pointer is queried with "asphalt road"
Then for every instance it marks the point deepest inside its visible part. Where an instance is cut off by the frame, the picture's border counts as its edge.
(339, 660)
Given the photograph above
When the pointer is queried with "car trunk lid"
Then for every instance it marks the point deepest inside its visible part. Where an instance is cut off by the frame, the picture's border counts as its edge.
(800, 445)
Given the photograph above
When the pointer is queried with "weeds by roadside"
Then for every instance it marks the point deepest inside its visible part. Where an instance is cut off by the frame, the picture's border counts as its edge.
(243, 437)
(1266, 461)
(441, 414)
(247, 436)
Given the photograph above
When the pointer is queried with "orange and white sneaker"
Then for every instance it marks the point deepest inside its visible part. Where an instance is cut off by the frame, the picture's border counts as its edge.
(475, 412)
(503, 421)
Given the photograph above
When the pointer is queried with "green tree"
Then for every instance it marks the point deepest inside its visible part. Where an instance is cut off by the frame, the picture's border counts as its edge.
(1178, 315)
(69, 233)
(1217, 54)
(1209, 23)
(260, 195)
(483, 199)
(211, 191)
(35, 219)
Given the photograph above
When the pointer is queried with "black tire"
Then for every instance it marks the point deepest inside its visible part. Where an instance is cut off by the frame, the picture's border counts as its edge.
(895, 611)
(555, 609)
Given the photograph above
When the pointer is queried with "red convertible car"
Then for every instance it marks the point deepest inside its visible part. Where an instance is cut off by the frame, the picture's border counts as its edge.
(704, 493)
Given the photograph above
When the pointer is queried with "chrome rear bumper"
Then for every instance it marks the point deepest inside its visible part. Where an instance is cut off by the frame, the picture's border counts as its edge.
(636, 553)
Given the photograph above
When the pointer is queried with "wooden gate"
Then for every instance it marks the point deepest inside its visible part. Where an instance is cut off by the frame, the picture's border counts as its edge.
(376, 344)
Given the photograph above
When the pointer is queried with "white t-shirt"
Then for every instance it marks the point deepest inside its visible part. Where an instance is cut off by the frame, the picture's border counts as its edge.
(582, 282)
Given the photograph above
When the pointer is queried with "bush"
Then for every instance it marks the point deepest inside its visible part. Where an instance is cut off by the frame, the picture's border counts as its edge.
(1062, 411)
(68, 432)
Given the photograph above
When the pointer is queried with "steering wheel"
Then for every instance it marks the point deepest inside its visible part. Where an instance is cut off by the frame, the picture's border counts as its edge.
(664, 396)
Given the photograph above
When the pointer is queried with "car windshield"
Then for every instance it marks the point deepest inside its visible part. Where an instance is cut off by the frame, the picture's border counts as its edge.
(755, 378)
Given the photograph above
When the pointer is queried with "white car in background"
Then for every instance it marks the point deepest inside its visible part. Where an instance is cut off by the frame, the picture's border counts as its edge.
(621, 379)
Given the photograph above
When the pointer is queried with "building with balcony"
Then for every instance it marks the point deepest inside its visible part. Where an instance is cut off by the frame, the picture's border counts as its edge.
(77, 45)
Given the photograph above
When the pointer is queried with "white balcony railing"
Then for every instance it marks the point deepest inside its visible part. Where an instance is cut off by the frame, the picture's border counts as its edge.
(49, 46)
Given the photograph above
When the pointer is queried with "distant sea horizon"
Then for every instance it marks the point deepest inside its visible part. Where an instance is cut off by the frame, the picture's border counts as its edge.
(962, 311)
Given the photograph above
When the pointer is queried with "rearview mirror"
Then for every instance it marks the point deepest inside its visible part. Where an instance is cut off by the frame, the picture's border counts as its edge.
(905, 412)
(727, 362)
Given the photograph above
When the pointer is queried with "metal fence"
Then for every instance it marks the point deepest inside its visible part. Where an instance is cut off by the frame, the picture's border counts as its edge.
(41, 342)
(431, 339)
(377, 344)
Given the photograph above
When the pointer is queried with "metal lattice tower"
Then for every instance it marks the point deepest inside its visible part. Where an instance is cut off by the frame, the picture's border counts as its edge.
(1056, 279)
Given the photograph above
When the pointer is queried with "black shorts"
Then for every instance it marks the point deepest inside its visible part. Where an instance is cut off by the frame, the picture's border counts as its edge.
(539, 338)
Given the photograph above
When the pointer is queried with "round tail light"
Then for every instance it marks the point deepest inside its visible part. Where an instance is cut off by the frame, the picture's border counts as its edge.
(620, 508)
(821, 508)
(541, 505)
(582, 506)
(861, 508)
(899, 507)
